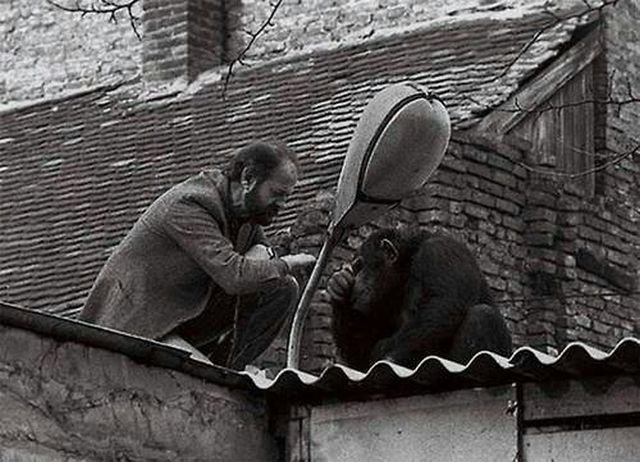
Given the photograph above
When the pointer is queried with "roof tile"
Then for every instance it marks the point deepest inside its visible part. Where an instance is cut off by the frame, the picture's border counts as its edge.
(76, 172)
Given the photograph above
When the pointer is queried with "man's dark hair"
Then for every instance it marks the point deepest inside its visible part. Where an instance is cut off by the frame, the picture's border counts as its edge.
(263, 157)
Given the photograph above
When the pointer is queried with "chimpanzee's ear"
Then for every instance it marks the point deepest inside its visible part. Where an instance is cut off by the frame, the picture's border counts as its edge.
(389, 250)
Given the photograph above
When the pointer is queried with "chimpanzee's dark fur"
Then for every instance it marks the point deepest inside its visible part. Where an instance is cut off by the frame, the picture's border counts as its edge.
(433, 300)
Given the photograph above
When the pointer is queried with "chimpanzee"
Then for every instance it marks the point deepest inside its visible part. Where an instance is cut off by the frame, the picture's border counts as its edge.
(410, 294)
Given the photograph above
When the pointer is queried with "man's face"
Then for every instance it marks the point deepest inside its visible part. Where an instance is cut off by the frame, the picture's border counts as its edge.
(265, 198)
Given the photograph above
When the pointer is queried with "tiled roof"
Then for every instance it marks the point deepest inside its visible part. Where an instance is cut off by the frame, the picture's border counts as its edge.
(76, 172)
(433, 374)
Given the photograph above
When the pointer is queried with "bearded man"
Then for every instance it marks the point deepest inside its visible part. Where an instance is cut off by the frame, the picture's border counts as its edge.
(195, 270)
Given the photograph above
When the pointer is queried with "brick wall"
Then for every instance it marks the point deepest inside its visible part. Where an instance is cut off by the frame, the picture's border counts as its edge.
(623, 122)
(587, 249)
(562, 268)
(476, 195)
(608, 226)
(45, 51)
(183, 38)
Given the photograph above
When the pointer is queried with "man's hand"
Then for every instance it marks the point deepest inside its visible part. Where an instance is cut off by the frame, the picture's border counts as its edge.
(259, 252)
(340, 285)
(299, 261)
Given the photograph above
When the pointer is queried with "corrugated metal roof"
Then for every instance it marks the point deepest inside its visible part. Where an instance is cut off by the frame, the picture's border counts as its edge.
(437, 374)
(433, 374)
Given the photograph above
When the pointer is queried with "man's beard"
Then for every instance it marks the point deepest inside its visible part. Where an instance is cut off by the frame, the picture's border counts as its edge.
(258, 214)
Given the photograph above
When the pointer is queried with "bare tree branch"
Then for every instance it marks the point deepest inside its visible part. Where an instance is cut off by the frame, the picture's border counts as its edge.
(113, 7)
(108, 7)
(572, 176)
(239, 59)
(608, 100)
(518, 108)
(602, 294)
(555, 20)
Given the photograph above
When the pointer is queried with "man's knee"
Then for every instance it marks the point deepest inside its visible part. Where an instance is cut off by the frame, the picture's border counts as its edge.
(259, 325)
(290, 291)
(285, 294)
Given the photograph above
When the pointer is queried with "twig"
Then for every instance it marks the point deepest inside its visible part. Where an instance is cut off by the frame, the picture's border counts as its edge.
(555, 20)
(112, 7)
(254, 36)
(548, 106)
(108, 7)
(572, 176)
(571, 296)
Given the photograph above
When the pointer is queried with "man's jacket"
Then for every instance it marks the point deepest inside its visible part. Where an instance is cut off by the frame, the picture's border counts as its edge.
(182, 253)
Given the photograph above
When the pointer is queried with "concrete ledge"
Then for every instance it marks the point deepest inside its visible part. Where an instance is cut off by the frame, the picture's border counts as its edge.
(64, 400)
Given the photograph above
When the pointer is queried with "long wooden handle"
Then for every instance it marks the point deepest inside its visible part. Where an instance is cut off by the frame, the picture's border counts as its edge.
(295, 334)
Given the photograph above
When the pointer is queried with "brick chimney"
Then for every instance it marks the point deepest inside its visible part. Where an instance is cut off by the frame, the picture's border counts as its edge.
(183, 38)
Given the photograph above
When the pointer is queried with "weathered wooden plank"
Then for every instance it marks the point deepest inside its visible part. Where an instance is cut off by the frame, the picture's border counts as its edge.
(613, 444)
(540, 89)
(459, 426)
(589, 124)
(561, 131)
(599, 396)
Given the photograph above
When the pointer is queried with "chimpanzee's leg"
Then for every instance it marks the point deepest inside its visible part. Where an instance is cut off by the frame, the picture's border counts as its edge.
(258, 321)
(483, 328)
(429, 324)
(354, 335)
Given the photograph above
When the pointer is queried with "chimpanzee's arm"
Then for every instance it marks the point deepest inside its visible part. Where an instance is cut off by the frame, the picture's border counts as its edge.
(350, 327)
(427, 329)
(351, 335)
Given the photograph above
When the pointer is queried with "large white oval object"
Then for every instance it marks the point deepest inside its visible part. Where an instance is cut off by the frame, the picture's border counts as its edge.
(399, 141)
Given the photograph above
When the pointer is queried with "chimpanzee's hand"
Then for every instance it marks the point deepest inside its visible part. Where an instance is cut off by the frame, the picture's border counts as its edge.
(340, 285)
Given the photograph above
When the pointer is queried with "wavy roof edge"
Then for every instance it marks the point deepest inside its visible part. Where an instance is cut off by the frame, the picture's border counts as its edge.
(577, 360)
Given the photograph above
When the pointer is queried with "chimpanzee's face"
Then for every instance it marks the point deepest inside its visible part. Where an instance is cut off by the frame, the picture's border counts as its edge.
(376, 279)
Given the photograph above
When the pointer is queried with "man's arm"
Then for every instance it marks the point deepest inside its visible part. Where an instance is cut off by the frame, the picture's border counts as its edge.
(198, 233)
(260, 238)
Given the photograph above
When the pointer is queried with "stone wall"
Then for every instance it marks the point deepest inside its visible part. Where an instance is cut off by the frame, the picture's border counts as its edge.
(64, 401)
(304, 25)
(45, 51)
